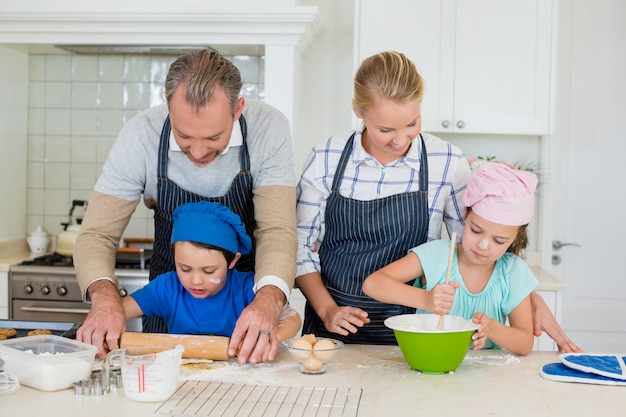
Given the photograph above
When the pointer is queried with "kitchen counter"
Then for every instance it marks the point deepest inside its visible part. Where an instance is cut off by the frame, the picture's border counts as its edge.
(487, 383)
(13, 252)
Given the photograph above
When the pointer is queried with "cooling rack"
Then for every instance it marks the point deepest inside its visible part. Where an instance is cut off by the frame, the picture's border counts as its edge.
(225, 399)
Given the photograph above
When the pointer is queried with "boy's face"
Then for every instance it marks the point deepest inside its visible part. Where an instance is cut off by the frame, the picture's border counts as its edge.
(201, 271)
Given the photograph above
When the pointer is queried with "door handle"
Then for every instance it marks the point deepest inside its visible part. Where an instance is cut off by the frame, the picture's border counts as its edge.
(557, 244)
(55, 310)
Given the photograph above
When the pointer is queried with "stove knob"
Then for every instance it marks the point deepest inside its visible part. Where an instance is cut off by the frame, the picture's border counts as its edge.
(61, 290)
(28, 289)
(45, 290)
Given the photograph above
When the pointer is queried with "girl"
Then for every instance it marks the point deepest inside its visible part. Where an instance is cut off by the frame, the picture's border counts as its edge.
(205, 294)
(489, 281)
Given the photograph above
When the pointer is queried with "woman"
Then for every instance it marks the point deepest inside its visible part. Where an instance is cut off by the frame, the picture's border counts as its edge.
(366, 198)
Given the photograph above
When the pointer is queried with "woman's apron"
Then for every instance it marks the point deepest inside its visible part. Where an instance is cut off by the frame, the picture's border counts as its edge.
(362, 237)
(170, 195)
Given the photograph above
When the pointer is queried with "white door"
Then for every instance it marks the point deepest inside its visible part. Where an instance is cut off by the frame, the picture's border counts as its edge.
(587, 179)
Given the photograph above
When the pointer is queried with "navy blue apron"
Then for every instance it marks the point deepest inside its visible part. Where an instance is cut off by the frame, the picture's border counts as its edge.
(362, 237)
(170, 195)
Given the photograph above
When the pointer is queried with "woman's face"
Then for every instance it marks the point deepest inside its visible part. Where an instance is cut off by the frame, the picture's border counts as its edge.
(390, 128)
(483, 241)
(203, 272)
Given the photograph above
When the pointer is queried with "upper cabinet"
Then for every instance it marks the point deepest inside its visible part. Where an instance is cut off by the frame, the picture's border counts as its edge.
(486, 63)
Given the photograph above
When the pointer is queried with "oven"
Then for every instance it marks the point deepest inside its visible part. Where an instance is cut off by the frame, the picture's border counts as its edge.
(45, 289)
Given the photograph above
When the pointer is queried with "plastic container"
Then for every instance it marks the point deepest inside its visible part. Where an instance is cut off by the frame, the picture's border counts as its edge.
(427, 349)
(47, 362)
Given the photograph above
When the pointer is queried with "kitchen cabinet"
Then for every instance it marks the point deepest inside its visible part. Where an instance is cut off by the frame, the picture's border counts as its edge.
(553, 301)
(486, 63)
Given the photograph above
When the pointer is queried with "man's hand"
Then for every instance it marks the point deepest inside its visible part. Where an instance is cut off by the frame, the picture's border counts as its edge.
(544, 321)
(254, 338)
(106, 321)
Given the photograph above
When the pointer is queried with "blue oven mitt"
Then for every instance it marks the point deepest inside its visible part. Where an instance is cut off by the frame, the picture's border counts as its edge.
(560, 372)
(610, 366)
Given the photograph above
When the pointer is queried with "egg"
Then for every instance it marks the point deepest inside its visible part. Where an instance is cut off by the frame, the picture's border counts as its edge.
(323, 350)
(310, 337)
(312, 363)
(303, 344)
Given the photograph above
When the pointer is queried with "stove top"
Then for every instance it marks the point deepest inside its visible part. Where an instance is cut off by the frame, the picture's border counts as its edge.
(55, 259)
(50, 260)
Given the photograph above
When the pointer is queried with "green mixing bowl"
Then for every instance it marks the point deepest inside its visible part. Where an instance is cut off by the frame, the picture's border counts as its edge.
(427, 349)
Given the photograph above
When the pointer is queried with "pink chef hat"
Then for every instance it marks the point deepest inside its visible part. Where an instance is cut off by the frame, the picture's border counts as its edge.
(501, 194)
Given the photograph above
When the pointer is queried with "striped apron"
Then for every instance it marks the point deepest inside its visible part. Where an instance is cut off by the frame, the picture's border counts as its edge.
(170, 195)
(362, 237)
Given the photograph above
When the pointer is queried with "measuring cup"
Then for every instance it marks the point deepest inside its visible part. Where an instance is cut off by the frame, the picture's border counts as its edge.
(149, 373)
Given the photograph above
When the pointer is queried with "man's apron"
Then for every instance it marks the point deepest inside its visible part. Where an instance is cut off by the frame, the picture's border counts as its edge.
(170, 195)
(362, 237)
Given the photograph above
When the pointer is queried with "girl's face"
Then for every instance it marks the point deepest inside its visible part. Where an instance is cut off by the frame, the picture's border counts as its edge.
(201, 271)
(483, 241)
(390, 128)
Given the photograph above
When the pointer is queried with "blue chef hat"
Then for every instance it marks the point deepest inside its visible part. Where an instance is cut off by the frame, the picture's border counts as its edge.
(210, 223)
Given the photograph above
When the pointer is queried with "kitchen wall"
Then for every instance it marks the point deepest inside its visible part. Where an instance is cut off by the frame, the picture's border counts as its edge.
(76, 106)
(13, 129)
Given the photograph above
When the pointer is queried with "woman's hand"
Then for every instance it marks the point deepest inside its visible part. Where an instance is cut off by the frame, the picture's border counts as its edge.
(482, 334)
(344, 320)
(544, 321)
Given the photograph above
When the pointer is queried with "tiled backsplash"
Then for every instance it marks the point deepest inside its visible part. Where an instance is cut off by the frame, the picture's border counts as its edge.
(77, 104)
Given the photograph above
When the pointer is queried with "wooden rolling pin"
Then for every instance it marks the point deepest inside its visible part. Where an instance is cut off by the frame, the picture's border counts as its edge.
(196, 346)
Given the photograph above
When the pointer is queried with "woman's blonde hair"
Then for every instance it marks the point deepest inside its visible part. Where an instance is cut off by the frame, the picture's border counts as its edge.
(386, 75)
(201, 72)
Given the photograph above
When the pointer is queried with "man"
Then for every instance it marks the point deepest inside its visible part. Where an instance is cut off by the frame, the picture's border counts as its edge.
(206, 143)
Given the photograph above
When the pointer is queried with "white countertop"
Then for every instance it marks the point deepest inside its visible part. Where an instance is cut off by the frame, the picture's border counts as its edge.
(494, 383)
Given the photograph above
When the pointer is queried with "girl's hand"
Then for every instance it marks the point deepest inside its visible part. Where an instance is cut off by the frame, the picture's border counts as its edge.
(482, 334)
(345, 320)
(442, 296)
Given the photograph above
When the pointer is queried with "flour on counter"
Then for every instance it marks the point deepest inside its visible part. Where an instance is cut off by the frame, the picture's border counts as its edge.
(497, 360)
(43, 353)
(259, 374)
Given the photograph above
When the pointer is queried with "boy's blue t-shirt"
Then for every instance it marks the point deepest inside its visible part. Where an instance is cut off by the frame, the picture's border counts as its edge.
(165, 297)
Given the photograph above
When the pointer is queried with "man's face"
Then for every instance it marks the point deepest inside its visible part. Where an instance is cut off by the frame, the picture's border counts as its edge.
(202, 136)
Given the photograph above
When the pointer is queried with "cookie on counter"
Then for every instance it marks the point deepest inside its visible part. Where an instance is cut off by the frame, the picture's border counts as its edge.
(7, 333)
(37, 332)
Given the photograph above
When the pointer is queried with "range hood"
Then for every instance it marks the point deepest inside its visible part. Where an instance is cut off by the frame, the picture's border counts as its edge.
(175, 50)
(128, 49)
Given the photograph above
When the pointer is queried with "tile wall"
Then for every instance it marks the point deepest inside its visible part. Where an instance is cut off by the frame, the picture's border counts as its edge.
(77, 104)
